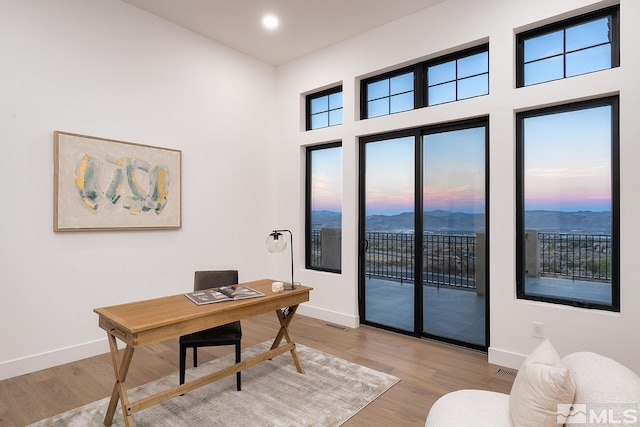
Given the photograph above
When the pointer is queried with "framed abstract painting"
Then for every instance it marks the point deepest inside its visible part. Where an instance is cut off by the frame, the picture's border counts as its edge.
(104, 184)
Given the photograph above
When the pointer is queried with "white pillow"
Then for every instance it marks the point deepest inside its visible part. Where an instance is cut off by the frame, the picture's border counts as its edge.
(542, 383)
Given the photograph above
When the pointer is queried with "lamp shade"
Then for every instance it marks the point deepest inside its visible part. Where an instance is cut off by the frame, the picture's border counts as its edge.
(276, 242)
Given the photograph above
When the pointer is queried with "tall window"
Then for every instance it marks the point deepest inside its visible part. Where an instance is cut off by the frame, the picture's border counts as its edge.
(569, 48)
(324, 207)
(568, 207)
(463, 76)
(324, 108)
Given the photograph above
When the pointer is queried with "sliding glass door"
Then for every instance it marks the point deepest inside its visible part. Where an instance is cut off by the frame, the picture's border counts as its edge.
(425, 274)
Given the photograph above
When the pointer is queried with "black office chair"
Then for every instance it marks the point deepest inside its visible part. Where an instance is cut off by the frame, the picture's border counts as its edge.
(229, 334)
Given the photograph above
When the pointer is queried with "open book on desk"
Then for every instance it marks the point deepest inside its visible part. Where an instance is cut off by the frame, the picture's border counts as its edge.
(223, 293)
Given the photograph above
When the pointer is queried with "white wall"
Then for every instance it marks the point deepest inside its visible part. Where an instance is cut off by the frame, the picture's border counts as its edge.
(105, 68)
(448, 27)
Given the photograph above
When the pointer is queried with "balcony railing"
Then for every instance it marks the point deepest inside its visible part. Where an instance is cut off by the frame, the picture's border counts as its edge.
(390, 255)
(316, 247)
(450, 260)
(578, 256)
(447, 259)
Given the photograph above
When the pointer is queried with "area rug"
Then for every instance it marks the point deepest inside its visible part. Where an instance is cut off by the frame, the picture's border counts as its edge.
(331, 391)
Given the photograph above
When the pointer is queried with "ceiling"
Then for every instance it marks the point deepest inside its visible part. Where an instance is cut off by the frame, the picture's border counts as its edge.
(305, 25)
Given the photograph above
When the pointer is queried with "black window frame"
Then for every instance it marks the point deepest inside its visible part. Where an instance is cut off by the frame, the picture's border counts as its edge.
(364, 92)
(613, 102)
(418, 134)
(308, 207)
(453, 57)
(613, 11)
(420, 79)
(309, 98)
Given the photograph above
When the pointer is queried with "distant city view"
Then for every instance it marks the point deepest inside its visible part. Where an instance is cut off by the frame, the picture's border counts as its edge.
(569, 244)
(440, 221)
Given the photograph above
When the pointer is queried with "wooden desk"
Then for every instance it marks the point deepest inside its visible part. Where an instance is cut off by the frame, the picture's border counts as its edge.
(146, 322)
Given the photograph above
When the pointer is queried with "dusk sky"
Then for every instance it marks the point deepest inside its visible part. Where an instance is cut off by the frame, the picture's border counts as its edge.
(454, 171)
(389, 176)
(568, 161)
(568, 168)
(326, 171)
(453, 177)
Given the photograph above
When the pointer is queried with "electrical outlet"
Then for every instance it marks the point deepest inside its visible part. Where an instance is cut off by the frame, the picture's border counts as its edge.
(538, 330)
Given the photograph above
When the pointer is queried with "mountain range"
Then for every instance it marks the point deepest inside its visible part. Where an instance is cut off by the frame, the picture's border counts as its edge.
(440, 221)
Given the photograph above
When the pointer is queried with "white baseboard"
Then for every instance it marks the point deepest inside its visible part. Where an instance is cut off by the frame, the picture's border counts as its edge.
(25, 365)
(505, 358)
(329, 316)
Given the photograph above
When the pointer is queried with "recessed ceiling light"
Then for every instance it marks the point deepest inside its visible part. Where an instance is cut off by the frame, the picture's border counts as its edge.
(270, 21)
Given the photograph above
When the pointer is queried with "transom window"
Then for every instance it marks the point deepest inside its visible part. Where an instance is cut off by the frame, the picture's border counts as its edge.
(569, 48)
(324, 108)
(458, 78)
(390, 95)
(464, 74)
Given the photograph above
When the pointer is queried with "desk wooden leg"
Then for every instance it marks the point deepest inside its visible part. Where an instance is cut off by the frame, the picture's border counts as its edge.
(120, 368)
(285, 320)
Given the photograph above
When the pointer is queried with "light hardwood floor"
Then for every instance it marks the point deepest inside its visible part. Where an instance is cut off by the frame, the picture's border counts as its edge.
(427, 370)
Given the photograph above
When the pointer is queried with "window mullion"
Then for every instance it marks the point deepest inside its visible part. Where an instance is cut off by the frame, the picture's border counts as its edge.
(564, 53)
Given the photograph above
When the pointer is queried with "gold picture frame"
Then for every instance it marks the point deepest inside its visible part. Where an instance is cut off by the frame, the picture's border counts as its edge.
(105, 184)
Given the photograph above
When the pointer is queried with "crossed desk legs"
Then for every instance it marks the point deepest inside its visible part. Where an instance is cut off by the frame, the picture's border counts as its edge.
(284, 317)
(121, 368)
